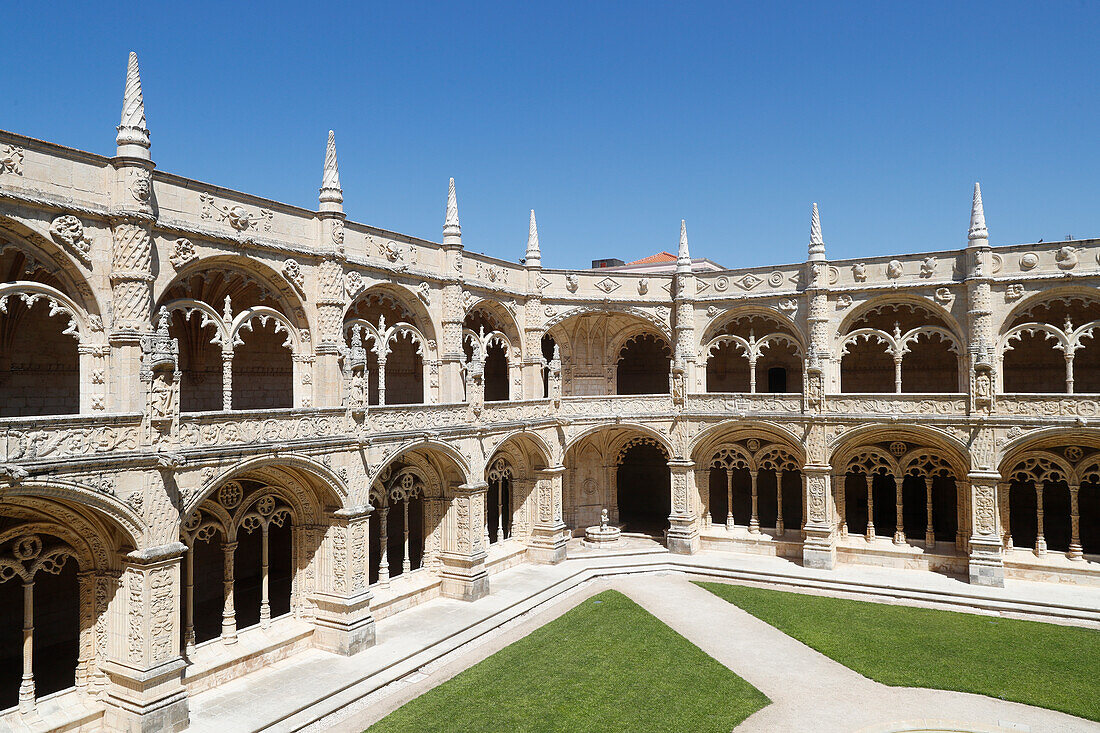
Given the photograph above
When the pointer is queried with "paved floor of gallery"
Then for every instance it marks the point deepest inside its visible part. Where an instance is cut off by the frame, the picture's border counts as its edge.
(427, 645)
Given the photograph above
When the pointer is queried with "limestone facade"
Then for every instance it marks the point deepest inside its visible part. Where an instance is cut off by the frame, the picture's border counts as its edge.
(221, 415)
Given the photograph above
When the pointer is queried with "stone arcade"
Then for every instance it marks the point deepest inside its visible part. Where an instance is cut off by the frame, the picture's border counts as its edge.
(269, 427)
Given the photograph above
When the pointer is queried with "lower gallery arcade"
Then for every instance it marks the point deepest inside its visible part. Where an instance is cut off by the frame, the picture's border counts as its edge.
(262, 549)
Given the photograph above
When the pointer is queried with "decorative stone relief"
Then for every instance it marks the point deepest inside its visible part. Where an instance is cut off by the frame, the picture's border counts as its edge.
(1029, 261)
(11, 160)
(843, 301)
(235, 215)
(788, 306)
(69, 231)
(894, 269)
(571, 283)
(775, 279)
(944, 296)
(1066, 258)
(1015, 291)
(353, 283)
(859, 272)
(141, 184)
(183, 251)
(928, 267)
(424, 292)
(292, 271)
(338, 231)
(607, 285)
(750, 281)
(643, 286)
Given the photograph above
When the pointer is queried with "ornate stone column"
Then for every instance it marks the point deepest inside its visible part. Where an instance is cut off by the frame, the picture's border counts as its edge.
(463, 574)
(986, 563)
(819, 547)
(1003, 489)
(683, 531)
(451, 355)
(548, 540)
(533, 317)
(144, 669)
(929, 528)
(1040, 538)
(870, 534)
(684, 350)
(229, 612)
(754, 519)
(328, 377)
(979, 273)
(1076, 552)
(899, 516)
(343, 623)
(132, 216)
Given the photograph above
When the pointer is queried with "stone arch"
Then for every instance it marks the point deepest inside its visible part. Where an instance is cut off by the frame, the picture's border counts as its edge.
(600, 459)
(538, 453)
(69, 274)
(749, 475)
(399, 336)
(422, 317)
(244, 337)
(73, 584)
(724, 318)
(453, 469)
(657, 435)
(920, 351)
(509, 325)
(298, 469)
(731, 431)
(1049, 343)
(910, 481)
(128, 522)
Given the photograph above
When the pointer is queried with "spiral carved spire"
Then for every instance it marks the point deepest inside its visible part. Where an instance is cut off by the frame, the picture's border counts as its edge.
(133, 135)
(817, 244)
(534, 253)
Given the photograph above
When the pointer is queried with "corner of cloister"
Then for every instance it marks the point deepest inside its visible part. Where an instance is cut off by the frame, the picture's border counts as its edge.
(233, 429)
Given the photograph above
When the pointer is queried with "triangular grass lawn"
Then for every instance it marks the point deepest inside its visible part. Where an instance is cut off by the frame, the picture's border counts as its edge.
(605, 665)
(1047, 665)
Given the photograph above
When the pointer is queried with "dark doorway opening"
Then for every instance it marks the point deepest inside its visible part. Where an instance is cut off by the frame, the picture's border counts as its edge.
(644, 490)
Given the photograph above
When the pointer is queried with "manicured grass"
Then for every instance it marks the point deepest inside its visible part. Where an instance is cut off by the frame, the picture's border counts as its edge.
(606, 665)
(1046, 665)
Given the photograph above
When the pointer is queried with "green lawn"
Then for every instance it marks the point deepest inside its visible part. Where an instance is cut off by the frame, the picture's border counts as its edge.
(606, 665)
(1047, 665)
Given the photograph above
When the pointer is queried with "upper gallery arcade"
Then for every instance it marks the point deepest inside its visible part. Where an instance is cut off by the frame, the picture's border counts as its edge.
(220, 412)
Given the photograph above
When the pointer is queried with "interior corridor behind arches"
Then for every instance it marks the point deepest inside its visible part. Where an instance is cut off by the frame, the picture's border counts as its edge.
(643, 489)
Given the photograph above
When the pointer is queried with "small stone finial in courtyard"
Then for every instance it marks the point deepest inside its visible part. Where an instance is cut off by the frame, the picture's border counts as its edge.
(979, 235)
(133, 135)
(817, 244)
(533, 258)
(332, 196)
(452, 230)
(683, 258)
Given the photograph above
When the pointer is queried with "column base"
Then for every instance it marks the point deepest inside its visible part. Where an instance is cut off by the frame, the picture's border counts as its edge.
(682, 537)
(546, 545)
(819, 550)
(146, 701)
(464, 577)
(343, 626)
(986, 566)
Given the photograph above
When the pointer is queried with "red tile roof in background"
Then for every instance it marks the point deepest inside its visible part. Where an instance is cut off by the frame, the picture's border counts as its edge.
(659, 257)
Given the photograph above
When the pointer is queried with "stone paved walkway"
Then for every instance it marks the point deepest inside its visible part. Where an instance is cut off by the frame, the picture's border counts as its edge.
(424, 646)
(808, 690)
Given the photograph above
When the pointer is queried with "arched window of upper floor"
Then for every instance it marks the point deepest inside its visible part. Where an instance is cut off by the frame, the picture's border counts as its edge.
(1050, 346)
(899, 347)
(753, 353)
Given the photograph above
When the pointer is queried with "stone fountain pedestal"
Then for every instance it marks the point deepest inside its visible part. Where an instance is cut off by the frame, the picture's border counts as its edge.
(602, 536)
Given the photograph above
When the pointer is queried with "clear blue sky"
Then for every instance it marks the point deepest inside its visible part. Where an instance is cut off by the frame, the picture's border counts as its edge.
(613, 121)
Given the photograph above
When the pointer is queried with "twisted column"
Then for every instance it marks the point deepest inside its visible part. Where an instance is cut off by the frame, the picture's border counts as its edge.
(229, 613)
(1076, 552)
(870, 507)
(899, 516)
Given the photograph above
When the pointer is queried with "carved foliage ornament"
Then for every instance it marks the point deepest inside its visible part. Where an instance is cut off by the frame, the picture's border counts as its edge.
(235, 215)
(69, 231)
(293, 273)
(183, 251)
(11, 160)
